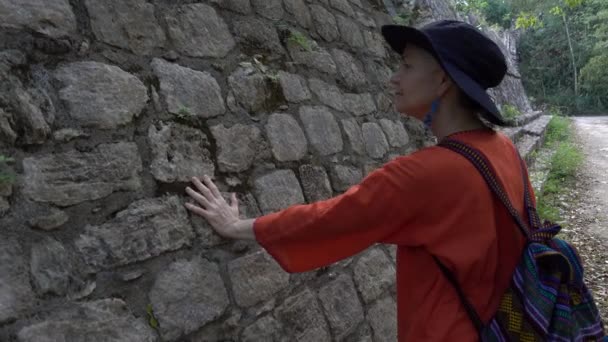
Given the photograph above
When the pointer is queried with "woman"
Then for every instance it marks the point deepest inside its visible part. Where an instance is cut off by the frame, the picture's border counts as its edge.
(432, 203)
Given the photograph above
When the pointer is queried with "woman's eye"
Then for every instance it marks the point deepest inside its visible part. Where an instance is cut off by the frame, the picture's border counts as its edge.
(405, 65)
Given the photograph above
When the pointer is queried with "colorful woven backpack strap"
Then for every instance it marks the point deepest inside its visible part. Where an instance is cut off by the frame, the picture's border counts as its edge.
(534, 219)
(483, 166)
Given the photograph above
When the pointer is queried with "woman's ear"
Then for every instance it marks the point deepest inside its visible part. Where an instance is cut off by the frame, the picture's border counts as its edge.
(444, 85)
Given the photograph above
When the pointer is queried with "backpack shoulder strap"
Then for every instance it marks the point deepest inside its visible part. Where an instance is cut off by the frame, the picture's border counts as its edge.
(483, 166)
(473, 316)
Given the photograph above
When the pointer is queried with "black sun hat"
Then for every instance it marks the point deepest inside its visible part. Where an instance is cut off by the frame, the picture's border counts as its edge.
(473, 61)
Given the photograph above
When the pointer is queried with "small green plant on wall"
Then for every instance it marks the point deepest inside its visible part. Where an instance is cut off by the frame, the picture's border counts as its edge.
(299, 39)
(152, 321)
(510, 112)
(406, 16)
(183, 112)
(5, 176)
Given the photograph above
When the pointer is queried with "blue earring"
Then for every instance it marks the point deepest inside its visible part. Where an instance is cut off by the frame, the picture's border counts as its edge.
(428, 118)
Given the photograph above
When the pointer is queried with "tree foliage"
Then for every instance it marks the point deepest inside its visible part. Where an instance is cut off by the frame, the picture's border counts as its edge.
(563, 48)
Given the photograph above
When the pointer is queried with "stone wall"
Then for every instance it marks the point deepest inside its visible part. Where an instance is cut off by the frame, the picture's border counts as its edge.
(107, 109)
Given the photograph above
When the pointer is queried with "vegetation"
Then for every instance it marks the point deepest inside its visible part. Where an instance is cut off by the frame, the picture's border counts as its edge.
(564, 164)
(298, 38)
(563, 48)
(6, 177)
(152, 321)
(510, 112)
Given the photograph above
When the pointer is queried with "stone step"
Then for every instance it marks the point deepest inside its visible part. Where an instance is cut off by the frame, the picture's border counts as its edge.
(538, 126)
(514, 133)
(526, 145)
(531, 137)
(527, 118)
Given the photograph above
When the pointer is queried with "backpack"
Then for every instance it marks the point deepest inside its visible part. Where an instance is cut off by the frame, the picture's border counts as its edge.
(547, 299)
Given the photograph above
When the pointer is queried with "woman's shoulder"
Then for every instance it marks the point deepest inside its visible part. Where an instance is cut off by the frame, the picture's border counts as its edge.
(433, 161)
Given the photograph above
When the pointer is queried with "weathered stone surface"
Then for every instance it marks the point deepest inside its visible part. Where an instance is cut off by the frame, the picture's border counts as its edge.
(359, 104)
(324, 23)
(6, 189)
(294, 87)
(328, 94)
(101, 95)
(67, 134)
(145, 229)
(318, 59)
(49, 221)
(322, 129)
(251, 89)
(179, 153)
(378, 72)
(255, 278)
(356, 3)
(341, 304)
(256, 33)
(31, 118)
(269, 9)
(53, 18)
(538, 127)
(286, 137)
(302, 318)
(127, 24)
(374, 274)
(342, 6)
(383, 319)
(350, 32)
(264, 329)
(4, 206)
(73, 177)
(239, 6)
(353, 135)
(277, 190)
(16, 295)
(183, 89)
(315, 183)
(186, 296)
(51, 267)
(395, 132)
(345, 176)
(374, 44)
(385, 104)
(349, 70)
(300, 11)
(101, 320)
(198, 31)
(365, 20)
(236, 145)
(7, 134)
(375, 141)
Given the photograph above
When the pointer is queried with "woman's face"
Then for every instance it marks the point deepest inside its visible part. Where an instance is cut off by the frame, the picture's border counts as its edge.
(417, 82)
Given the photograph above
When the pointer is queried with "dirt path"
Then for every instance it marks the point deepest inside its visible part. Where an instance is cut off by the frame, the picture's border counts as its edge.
(592, 133)
(585, 207)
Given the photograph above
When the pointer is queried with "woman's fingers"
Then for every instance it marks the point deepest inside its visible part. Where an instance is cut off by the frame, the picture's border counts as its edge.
(197, 210)
(209, 183)
(234, 203)
(203, 189)
(198, 197)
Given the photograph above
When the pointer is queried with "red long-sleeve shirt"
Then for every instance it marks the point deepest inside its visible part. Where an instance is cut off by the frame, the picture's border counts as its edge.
(432, 202)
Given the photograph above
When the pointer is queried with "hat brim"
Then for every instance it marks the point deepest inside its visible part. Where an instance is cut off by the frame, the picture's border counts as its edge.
(398, 36)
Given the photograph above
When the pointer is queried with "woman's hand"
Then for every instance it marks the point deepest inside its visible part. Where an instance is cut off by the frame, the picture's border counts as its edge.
(223, 217)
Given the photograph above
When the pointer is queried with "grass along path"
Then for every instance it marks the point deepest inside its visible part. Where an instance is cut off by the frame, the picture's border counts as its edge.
(562, 199)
